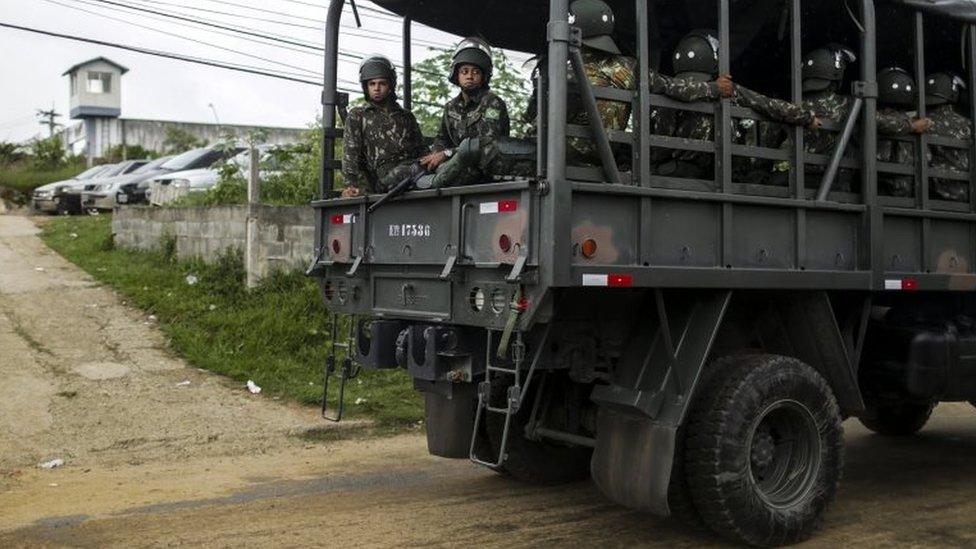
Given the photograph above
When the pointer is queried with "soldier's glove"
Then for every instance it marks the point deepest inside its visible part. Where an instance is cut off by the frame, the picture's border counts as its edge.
(351, 192)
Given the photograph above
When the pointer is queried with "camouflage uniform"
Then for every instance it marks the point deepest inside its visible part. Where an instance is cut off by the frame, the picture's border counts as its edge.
(948, 122)
(485, 117)
(603, 70)
(700, 126)
(892, 122)
(381, 146)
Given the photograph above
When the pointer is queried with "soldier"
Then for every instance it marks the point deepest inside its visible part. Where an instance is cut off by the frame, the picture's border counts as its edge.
(696, 60)
(382, 140)
(896, 99)
(942, 94)
(473, 122)
(605, 66)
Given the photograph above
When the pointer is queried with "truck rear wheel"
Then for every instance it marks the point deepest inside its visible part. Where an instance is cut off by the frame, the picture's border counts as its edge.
(764, 451)
(897, 418)
(538, 461)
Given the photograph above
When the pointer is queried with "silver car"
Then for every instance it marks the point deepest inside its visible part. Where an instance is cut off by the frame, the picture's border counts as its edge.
(44, 198)
(102, 194)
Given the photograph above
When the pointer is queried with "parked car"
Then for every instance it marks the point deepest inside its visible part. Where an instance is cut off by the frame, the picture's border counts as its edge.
(44, 198)
(103, 195)
(167, 188)
(69, 200)
(190, 160)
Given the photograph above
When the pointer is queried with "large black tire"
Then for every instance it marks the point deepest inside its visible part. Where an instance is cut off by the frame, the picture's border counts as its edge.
(680, 502)
(543, 461)
(897, 419)
(764, 451)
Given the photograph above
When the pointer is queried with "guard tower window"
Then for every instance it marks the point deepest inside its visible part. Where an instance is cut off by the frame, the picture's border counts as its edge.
(99, 82)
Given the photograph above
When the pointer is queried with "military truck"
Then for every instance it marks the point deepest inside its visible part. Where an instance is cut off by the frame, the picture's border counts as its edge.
(692, 345)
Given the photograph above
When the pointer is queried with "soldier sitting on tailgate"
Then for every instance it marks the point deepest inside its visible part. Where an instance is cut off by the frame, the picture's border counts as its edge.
(696, 60)
(382, 140)
(942, 94)
(896, 117)
(606, 67)
(466, 146)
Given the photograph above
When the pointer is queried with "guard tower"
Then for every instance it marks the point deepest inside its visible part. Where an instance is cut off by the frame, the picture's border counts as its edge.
(96, 99)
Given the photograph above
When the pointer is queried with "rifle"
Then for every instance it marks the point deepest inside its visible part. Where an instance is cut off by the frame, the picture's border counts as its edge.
(403, 186)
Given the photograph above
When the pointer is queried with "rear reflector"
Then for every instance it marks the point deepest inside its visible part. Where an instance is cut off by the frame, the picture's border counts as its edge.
(501, 206)
(611, 280)
(906, 284)
(343, 219)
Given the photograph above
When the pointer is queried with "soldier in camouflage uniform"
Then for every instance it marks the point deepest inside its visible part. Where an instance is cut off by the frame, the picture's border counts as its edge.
(606, 67)
(696, 60)
(896, 99)
(382, 141)
(942, 94)
(466, 147)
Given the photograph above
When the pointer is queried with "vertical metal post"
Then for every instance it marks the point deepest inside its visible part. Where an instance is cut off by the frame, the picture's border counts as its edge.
(872, 256)
(723, 134)
(557, 203)
(407, 64)
(329, 101)
(799, 152)
(921, 141)
(329, 96)
(642, 110)
(971, 82)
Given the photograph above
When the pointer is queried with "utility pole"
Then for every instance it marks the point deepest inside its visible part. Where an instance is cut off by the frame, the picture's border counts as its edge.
(47, 119)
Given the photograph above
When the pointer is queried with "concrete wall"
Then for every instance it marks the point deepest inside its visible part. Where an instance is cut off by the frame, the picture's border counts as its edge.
(286, 234)
(104, 133)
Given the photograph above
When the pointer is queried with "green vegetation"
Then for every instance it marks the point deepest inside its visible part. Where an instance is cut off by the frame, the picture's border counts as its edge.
(276, 335)
(24, 178)
(178, 140)
(117, 153)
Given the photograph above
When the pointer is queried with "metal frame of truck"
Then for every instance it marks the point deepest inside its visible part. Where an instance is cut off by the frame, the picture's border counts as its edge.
(478, 290)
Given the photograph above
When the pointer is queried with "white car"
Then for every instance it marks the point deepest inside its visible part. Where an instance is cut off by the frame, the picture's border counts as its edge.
(167, 188)
(45, 197)
(102, 194)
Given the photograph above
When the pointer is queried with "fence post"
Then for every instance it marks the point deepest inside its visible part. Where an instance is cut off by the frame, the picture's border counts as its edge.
(251, 259)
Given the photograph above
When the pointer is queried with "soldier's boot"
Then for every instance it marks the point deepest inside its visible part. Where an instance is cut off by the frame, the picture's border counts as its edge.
(450, 173)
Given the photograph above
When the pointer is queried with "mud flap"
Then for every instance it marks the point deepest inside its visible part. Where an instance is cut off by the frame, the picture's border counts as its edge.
(450, 420)
(641, 410)
(625, 441)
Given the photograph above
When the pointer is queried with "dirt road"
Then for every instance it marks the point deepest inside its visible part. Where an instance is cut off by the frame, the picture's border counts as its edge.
(151, 460)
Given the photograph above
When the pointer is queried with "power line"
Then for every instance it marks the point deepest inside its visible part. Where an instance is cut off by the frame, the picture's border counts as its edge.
(238, 15)
(160, 31)
(167, 55)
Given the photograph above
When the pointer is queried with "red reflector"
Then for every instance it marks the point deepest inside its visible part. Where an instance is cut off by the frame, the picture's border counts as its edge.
(507, 205)
(505, 243)
(523, 305)
(909, 284)
(336, 220)
(620, 280)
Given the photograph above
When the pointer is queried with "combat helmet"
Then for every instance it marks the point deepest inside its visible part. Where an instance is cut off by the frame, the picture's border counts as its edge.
(896, 87)
(595, 20)
(696, 56)
(472, 51)
(825, 67)
(942, 88)
(377, 66)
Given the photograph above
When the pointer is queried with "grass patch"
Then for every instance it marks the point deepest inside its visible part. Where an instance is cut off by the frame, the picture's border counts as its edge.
(276, 335)
(25, 179)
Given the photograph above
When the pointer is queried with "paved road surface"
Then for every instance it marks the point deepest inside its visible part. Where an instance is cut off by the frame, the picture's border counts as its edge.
(150, 462)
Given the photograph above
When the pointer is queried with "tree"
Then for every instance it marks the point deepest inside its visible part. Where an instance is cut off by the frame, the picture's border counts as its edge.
(132, 152)
(178, 140)
(10, 153)
(432, 89)
(48, 154)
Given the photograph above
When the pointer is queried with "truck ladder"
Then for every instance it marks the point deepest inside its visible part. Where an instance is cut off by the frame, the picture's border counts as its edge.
(346, 372)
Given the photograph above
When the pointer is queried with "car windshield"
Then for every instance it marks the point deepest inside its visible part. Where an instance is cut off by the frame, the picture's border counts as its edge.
(90, 172)
(111, 170)
(183, 161)
(152, 165)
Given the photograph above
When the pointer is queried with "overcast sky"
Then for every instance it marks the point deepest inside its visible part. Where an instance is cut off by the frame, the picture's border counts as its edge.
(156, 88)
